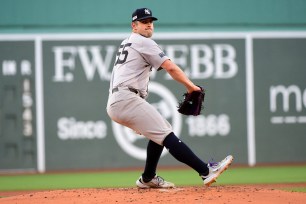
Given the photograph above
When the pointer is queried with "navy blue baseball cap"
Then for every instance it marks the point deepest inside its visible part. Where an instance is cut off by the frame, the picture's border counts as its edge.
(142, 14)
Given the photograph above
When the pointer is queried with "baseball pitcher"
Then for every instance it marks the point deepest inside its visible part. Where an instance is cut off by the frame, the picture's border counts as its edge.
(137, 55)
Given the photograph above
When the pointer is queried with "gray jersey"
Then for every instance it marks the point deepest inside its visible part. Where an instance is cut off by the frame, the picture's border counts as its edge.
(136, 57)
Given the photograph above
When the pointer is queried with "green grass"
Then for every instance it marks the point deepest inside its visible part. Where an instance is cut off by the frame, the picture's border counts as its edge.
(181, 177)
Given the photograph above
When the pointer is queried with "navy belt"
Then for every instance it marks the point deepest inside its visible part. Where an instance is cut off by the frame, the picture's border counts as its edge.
(128, 88)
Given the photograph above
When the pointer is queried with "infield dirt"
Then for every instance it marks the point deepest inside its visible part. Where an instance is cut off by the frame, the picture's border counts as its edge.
(213, 195)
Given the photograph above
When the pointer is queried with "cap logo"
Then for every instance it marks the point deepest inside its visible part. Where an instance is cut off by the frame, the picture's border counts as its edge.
(135, 17)
(147, 11)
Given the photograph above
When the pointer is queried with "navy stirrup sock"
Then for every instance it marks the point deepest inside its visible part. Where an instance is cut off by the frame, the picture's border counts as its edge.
(154, 151)
(180, 151)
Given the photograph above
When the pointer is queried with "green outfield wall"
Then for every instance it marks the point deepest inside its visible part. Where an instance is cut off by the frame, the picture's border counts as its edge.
(115, 15)
(55, 65)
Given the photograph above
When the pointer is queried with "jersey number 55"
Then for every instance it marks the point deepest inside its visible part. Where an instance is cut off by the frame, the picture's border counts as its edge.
(122, 54)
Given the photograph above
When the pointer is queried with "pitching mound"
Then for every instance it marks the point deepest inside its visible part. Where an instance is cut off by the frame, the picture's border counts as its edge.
(190, 195)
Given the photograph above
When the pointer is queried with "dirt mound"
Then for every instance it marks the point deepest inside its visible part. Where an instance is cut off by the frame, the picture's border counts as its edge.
(213, 195)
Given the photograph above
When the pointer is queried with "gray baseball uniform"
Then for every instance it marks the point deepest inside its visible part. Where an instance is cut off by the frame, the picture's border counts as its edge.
(136, 57)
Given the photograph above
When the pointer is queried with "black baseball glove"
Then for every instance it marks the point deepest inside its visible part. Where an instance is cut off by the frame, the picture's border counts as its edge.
(192, 104)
